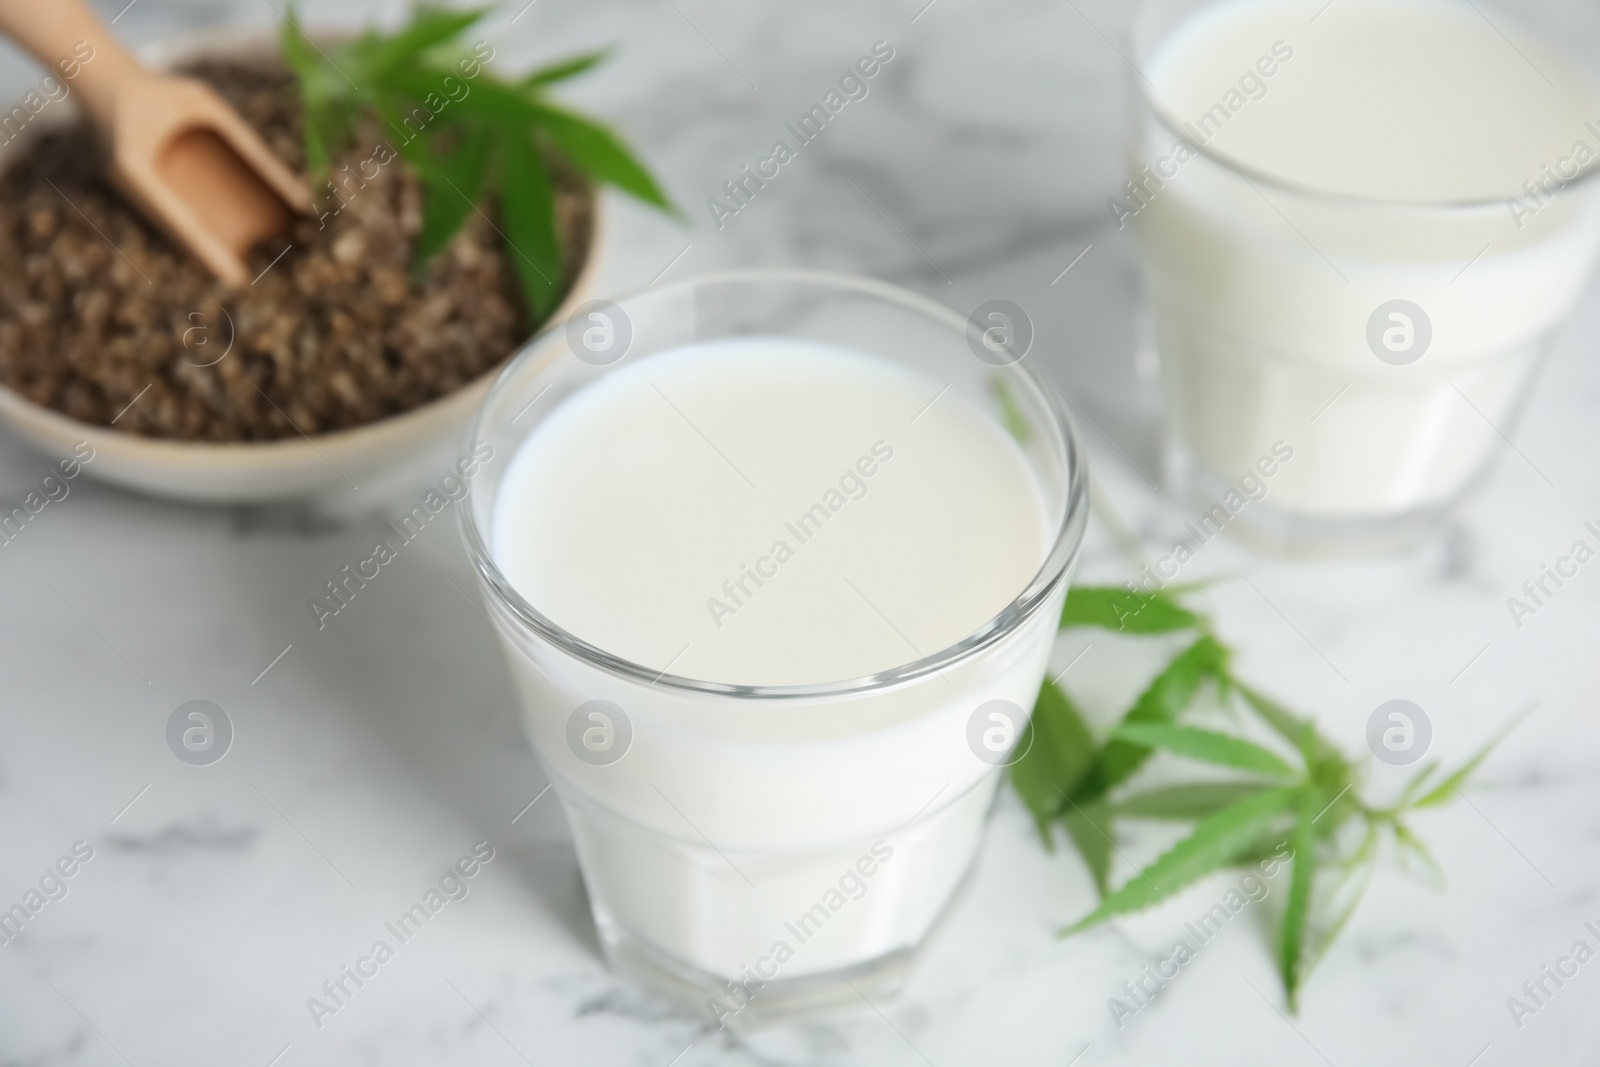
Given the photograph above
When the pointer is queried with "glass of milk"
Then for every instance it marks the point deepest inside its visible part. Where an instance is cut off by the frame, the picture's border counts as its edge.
(1361, 222)
(776, 559)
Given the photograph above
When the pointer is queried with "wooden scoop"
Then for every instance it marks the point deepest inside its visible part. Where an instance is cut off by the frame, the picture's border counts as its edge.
(176, 148)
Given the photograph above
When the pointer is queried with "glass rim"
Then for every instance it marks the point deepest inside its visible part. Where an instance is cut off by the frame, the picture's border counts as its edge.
(1250, 173)
(1051, 573)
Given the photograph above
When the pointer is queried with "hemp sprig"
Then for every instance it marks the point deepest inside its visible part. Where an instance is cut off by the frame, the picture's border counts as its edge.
(1302, 794)
(468, 134)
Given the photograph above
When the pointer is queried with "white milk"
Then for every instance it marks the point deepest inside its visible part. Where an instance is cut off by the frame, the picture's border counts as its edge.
(772, 512)
(1264, 294)
(665, 515)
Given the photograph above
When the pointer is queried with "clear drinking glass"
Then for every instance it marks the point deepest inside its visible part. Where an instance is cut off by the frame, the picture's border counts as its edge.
(1336, 369)
(716, 822)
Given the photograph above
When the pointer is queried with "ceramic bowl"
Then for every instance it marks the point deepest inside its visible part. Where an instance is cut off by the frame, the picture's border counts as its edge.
(248, 472)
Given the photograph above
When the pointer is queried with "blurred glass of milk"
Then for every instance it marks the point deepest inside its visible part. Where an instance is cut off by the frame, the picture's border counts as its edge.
(1361, 222)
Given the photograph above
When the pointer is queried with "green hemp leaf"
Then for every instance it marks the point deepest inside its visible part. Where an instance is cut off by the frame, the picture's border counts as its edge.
(473, 138)
(1279, 803)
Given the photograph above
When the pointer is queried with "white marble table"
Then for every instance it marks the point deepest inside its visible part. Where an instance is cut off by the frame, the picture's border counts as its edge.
(372, 753)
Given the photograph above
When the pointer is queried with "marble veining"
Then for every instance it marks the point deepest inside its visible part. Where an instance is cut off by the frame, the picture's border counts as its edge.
(371, 752)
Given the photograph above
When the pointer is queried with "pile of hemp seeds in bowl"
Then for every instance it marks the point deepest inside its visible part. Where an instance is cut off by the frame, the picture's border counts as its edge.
(103, 319)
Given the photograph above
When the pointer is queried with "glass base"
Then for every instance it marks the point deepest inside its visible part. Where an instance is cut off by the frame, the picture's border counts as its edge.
(1265, 527)
(751, 1001)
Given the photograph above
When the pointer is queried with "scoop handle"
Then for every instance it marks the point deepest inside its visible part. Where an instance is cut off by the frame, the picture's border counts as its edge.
(66, 38)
